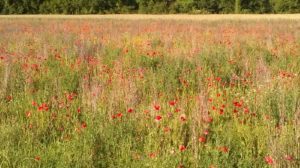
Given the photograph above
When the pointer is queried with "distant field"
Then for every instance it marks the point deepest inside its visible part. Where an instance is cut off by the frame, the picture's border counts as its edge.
(168, 17)
(150, 91)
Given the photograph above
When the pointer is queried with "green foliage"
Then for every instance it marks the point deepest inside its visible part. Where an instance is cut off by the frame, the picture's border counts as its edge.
(147, 6)
(1, 6)
(182, 6)
(255, 6)
(154, 6)
(212, 6)
(284, 6)
(18, 7)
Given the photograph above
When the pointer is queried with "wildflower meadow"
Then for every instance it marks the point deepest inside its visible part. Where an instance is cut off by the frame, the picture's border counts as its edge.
(150, 93)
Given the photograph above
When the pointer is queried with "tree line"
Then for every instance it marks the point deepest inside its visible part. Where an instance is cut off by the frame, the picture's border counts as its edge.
(147, 6)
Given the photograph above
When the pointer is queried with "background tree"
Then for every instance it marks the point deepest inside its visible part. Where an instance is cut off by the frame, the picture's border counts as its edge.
(155, 6)
(126, 6)
(147, 6)
(286, 6)
(1, 6)
(237, 7)
(18, 6)
(211, 6)
(227, 6)
(181, 6)
(255, 6)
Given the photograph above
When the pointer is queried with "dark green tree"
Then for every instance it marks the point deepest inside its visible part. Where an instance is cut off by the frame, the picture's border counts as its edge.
(126, 6)
(20, 6)
(211, 6)
(227, 6)
(155, 6)
(286, 6)
(1, 6)
(181, 6)
(256, 6)
(147, 6)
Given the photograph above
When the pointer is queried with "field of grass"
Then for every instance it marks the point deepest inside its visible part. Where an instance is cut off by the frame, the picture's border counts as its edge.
(158, 93)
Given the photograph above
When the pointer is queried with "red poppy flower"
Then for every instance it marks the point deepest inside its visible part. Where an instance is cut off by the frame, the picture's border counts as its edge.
(83, 125)
(130, 110)
(34, 103)
(157, 107)
(246, 110)
(158, 118)
(212, 166)
(180, 166)
(202, 139)
(28, 114)
(289, 157)
(224, 149)
(182, 148)
(70, 97)
(37, 158)
(206, 132)
(183, 117)
(126, 51)
(208, 119)
(172, 103)
(267, 117)
(119, 115)
(269, 160)
(221, 112)
(9, 98)
(43, 107)
(237, 104)
(214, 108)
(167, 129)
(152, 155)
